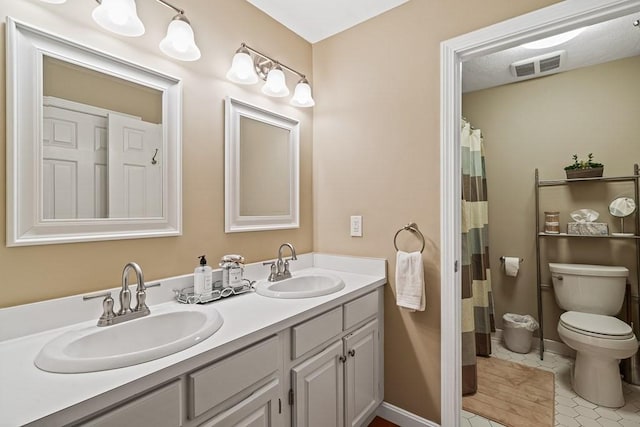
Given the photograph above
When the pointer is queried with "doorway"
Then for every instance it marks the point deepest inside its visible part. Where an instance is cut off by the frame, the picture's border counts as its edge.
(555, 19)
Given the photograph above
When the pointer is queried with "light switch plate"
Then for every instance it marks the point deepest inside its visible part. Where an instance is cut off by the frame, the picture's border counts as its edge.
(356, 226)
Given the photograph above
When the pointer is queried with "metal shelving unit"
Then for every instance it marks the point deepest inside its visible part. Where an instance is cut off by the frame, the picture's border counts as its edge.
(635, 178)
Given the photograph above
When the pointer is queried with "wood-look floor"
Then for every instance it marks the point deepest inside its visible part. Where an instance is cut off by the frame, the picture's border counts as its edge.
(381, 422)
(512, 394)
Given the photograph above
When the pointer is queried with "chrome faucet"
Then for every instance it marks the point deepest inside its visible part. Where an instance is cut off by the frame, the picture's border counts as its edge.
(109, 317)
(125, 293)
(280, 267)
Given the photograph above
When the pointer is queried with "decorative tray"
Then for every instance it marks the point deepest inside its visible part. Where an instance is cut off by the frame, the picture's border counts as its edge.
(187, 296)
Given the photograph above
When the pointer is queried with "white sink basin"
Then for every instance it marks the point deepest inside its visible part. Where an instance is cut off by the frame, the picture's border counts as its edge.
(165, 331)
(303, 286)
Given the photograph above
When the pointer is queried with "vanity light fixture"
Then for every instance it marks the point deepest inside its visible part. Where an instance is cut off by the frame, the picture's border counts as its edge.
(276, 84)
(179, 43)
(246, 69)
(121, 17)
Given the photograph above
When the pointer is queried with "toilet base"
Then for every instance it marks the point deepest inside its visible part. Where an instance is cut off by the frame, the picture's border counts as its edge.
(598, 380)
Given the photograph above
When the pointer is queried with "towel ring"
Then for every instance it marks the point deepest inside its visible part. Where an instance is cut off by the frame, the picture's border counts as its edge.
(412, 227)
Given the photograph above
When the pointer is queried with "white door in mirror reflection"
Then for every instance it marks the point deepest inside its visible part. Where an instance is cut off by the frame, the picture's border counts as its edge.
(135, 183)
(74, 164)
(100, 166)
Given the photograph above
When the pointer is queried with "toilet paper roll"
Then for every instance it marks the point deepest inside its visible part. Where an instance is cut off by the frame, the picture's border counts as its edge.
(511, 266)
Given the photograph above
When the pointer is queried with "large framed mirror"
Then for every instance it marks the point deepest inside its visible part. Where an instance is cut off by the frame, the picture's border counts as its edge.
(93, 144)
(261, 169)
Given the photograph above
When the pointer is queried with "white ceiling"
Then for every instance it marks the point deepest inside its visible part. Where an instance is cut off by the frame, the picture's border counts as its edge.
(599, 43)
(315, 20)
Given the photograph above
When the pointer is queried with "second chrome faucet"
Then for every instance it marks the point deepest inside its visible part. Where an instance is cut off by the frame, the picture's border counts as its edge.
(280, 267)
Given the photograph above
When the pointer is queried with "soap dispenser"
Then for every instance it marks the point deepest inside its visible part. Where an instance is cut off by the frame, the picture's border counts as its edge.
(202, 279)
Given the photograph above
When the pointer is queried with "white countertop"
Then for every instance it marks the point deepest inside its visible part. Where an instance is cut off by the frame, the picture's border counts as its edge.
(28, 394)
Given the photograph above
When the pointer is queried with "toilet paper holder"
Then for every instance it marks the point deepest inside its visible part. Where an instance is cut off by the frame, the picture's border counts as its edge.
(502, 259)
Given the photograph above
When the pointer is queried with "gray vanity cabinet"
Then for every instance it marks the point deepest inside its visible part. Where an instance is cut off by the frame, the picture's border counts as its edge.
(339, 384)
(324, 371)
(243, 389)
(159, 408)
(362, 374)
(318, 385)
(232, 378)
(257, 410)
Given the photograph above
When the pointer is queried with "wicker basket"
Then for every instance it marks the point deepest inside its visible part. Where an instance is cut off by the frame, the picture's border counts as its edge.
(584, 173)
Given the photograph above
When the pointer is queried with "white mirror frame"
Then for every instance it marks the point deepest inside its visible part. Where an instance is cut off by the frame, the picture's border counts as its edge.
(26, 46)
(233, 221)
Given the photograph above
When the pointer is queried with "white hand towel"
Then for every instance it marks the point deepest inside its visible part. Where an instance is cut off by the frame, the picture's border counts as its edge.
(410, 281)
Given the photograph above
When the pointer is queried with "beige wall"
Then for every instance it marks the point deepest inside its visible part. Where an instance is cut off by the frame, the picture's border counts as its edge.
(376, 154)
(539, 124)
(79, 84)
(36, 273)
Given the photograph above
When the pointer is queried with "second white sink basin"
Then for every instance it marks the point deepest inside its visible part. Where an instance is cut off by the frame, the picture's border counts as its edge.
(165, 331)
(302, 286)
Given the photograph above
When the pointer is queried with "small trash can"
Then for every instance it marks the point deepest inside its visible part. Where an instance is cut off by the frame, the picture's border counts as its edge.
(517, 331)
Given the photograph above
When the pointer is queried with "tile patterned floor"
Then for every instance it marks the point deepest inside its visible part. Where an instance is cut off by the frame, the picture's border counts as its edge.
(571, 410)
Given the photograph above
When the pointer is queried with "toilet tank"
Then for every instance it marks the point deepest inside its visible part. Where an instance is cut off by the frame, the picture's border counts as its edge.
(597, 289)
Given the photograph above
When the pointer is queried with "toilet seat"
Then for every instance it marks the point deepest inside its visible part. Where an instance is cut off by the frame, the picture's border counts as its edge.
(596, 325)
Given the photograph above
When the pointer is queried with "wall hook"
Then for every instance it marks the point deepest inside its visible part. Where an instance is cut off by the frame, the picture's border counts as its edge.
(153, 159)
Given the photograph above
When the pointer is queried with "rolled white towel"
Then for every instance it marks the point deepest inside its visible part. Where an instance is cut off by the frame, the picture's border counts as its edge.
(410, 291)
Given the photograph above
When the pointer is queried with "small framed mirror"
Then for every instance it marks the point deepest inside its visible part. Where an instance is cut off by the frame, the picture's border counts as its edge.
(622, 207)
(93, 144)
(261, 169)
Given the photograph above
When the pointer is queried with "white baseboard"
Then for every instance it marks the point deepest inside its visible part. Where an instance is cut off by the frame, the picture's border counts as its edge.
(401, 417)
(551, 346)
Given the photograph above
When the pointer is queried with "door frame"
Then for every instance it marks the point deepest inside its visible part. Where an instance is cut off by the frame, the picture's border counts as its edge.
(558, 18)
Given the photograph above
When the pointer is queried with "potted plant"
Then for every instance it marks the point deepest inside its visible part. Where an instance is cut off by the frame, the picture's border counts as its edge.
(584, 169)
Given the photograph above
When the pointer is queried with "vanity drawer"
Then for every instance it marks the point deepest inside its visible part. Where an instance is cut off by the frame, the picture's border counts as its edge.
(213, 385)
(360, 309)
(314, 332)
(160, 408)
(258, 409)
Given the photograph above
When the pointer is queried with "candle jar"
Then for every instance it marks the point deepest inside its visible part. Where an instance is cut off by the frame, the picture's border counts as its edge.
(552, 222)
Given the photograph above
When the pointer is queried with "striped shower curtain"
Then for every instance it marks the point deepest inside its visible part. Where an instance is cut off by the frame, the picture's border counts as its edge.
(477, 300)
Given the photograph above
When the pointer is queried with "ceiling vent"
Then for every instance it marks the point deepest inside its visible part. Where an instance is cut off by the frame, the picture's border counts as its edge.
(544, 64)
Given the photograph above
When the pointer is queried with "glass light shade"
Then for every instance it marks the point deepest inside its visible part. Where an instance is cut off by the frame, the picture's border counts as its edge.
(119, 16)
(276, 84)
(179, 42)
(553, 40)
(242, 70)
(302, 95)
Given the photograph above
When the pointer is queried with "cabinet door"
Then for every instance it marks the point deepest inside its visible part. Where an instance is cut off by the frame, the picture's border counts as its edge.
(318, 389)
(362, 373)
(258, 410)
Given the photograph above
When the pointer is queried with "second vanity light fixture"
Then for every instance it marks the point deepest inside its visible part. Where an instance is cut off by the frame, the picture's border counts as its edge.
(121, 17)
(246, 69)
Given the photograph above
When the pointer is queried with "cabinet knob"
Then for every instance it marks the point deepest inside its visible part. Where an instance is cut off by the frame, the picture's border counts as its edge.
(342, 359)
(352, 352)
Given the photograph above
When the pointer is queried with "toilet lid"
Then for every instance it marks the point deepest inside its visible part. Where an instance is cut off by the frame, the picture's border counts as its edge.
(596, 325)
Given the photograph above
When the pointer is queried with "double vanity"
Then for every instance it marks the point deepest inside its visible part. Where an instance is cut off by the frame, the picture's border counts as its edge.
(303, 351)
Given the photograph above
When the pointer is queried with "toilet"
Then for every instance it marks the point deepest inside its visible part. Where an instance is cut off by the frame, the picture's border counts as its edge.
(592, 296)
